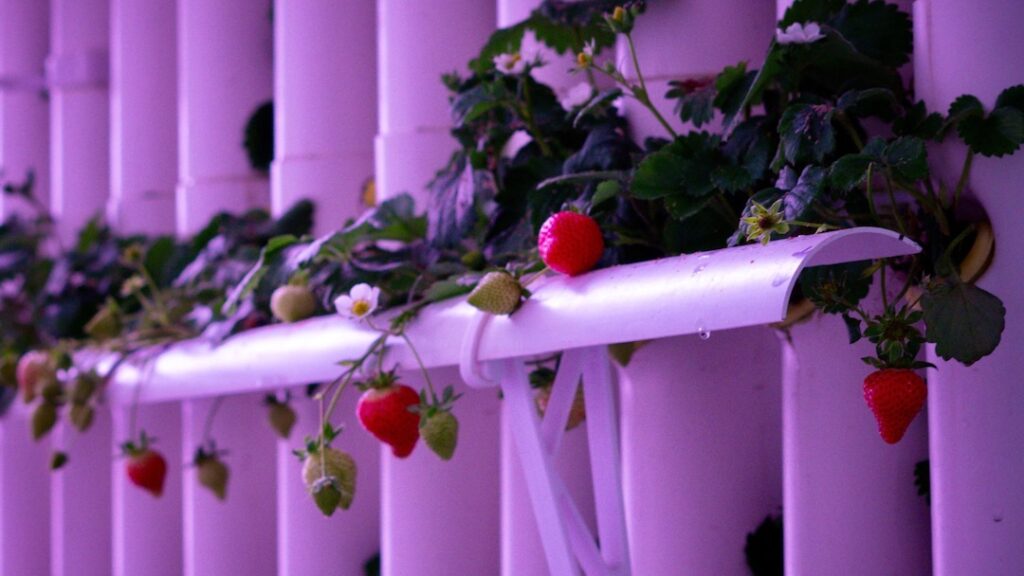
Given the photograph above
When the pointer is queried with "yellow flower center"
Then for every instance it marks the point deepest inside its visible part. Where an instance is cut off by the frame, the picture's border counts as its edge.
(618, 14)
(512, 61)
(360, 307)
(583, 59)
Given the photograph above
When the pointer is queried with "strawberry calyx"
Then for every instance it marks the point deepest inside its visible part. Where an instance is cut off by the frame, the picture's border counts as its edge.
(384, 380)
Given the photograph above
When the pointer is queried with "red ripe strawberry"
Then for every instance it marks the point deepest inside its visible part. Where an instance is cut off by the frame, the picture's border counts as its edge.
(570, 243)
(147, 469)
(895, 396)
(384, 412)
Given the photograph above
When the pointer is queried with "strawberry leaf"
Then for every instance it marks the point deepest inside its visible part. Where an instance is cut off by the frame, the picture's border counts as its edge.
(964, 321)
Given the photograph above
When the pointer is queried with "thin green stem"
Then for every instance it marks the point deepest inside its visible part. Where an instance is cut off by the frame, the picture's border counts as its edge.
(893, 205)
(851, 130)
(881, 276)
(644, 96)
(526, 112)
(423, 367)
(869, 194)
(965, 175)
(208, 425)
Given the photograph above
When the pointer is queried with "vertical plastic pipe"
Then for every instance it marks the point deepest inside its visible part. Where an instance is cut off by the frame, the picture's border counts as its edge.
(975, 425)
(441, 518)
(874, 523)
(24, 111)
(522, 553)
(147, 530)
(325, 93)
(690, 41)
(237, 535)
(701, 450)
(80, 500)
(225, 69)
(415, 47)
(77, 71)
(143, 116)
(309, 543)
(850, 506)
(700, 420)
(24, 496)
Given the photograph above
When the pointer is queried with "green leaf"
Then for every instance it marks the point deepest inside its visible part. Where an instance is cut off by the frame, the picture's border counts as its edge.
(446, 289)
(798, 203)
(694, 100)
(908, 158)
(879, 30)
(835, 288)
(731, 87)
(998, 134)
(681, 168)
(252, 278)
(1012, 97)
(964, 321)
(605, 191)
(852, 328)
(731, 178)
(849, 171)
(806, 133)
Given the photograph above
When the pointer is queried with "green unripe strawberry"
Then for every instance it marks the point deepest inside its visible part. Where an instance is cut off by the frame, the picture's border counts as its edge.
(213, 474)
(291, 303)
(282, 418)
(84, 387)
(43, 419)
(497, 293)
(81, 416)
(441, 434)
(330, 478)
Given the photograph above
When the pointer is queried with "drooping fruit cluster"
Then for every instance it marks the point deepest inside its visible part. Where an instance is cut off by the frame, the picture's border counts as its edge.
(570, 243)
(146, 468)
(329, 474)
(895, 396)
(384, 411)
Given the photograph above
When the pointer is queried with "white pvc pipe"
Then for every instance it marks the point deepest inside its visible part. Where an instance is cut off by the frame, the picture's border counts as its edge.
(325, 106)
(24, 113)
(143, 121)
(414, 50)
(79, 112)
(975, 425)
(225, 69)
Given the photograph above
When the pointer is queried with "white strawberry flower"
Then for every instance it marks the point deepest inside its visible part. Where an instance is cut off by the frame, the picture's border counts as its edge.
(578, 95)
(513, 63)
(359, 303)
(799, 33)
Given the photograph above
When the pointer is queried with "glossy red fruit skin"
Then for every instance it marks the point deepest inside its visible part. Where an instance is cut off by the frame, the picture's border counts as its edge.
(895, 396)
(570, 243)
(147, 470)
(385, 414)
